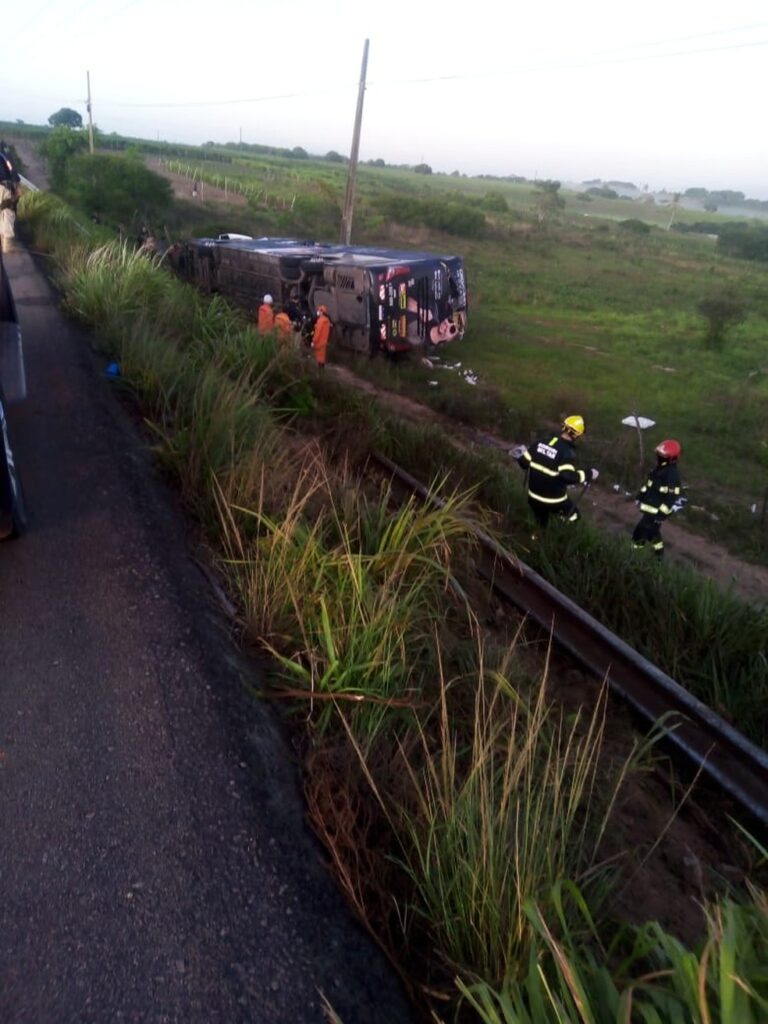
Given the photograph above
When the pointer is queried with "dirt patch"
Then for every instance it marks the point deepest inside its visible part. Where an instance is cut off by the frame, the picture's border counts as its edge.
(198, 192)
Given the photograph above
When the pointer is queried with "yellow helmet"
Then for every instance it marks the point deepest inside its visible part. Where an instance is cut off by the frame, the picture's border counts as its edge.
(575, 424)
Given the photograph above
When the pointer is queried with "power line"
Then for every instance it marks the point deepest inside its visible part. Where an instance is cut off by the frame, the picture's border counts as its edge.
(685, 38)
(526, 69)
(569, 65)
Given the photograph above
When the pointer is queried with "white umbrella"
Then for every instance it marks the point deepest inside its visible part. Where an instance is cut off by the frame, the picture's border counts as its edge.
(641, 422)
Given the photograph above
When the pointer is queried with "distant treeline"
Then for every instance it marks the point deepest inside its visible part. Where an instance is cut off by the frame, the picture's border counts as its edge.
(711, 200)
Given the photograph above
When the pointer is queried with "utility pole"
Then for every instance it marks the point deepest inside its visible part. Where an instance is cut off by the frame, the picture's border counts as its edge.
(90, 116)
(349, 198)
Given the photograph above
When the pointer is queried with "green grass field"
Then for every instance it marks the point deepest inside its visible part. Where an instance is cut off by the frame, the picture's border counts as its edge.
(581, 314)
(578, 313)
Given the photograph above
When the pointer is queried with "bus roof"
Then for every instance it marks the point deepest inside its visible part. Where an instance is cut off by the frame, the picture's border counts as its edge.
(344, 254)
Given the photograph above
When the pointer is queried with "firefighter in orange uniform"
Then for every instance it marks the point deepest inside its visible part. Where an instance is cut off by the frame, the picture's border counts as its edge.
(320, 336)
(266, 317)
(283, 326)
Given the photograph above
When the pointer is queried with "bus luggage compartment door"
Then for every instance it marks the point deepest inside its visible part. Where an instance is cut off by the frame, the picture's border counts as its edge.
(351, 290)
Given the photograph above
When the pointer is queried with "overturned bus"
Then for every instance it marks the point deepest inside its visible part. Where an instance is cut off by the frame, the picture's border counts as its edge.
(388, 300)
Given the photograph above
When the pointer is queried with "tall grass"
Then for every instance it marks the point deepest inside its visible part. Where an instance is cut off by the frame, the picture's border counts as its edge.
(343, 591)
(502, 814)
(55, 226)
(644, 974)
(489, 812)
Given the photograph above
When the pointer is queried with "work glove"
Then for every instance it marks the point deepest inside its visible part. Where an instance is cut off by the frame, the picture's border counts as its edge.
(593, 474)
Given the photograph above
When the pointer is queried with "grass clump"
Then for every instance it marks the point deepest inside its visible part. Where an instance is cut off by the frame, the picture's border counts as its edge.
(343, 591)
(643, 974)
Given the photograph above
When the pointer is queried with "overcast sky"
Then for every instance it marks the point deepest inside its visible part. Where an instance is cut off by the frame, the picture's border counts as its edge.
(669, 94)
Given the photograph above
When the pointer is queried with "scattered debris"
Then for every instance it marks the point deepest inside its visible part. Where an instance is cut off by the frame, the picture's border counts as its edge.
(435, 362)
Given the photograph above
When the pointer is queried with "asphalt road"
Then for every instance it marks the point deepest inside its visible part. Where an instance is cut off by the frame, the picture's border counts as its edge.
(155, 863)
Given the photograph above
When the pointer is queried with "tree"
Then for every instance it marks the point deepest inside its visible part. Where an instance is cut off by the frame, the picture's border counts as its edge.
(58, 149)
(602, 192)
(721, 312)
(548, 199)
(422, 169)
(66, 117)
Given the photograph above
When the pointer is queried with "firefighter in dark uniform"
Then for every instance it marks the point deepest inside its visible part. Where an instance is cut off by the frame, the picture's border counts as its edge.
(550, 464)
(657, 496)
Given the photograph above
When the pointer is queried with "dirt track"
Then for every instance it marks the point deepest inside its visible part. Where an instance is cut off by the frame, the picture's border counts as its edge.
(615, 512)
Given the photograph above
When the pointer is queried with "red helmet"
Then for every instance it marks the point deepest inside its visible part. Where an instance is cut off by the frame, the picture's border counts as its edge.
(669, 450)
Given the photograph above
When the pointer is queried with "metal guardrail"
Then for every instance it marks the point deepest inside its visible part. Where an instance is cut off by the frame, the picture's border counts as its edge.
(691, 729)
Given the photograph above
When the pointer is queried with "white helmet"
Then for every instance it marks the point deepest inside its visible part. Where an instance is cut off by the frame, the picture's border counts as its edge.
(268, 299)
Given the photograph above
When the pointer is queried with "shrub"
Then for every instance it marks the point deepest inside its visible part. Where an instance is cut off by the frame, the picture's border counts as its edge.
(721, 312)
(635, 226)
(602, 192)
(496, 202)
(453, 217)
(744, 240)
(116, 188)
